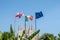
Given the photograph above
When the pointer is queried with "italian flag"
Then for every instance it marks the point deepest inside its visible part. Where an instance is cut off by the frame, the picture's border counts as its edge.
(28, 17)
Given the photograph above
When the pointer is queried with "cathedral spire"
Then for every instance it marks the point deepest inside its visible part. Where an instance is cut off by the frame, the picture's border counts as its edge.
(20, 30)
(30, 30)
(19, 27)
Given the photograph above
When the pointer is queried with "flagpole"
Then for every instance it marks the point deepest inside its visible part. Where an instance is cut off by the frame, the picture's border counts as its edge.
(14, 24)
(35, 25)
(25, 25)
(25, 28)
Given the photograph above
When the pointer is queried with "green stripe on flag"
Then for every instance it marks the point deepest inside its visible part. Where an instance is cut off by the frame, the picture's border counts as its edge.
(26, 18)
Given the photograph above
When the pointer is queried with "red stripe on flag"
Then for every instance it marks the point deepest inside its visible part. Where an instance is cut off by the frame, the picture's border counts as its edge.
(31, 17)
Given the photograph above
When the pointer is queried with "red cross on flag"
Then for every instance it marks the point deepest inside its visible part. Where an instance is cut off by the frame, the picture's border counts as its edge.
(19, 15)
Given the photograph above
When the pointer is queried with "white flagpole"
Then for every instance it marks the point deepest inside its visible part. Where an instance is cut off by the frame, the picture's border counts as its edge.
(14, 24)
(35, 25)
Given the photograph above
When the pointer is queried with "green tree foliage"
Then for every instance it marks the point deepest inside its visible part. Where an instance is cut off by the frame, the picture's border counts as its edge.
(12, 34)
(11, 31)
(0, 35)
(6, 35)
(58, 37)
(48, 36)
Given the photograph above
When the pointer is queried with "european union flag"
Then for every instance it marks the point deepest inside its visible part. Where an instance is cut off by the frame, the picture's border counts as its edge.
(38, 15)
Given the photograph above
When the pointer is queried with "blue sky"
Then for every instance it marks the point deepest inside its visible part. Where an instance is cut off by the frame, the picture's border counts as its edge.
(50, 23)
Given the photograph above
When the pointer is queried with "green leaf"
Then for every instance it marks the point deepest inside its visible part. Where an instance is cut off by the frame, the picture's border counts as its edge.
(23, 33)
(33, 35)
